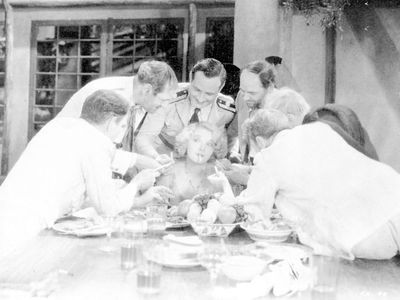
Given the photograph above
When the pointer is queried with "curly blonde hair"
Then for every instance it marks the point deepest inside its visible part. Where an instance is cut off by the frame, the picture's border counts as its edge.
(290, 102)
(219, 138)
(265, 123)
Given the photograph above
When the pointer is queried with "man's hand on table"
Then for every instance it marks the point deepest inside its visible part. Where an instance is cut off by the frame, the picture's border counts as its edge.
(155, 195)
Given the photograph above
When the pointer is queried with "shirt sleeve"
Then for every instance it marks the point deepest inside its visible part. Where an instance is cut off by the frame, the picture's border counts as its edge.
(101, 190)
(122, 161)
(261, 187)
(151, 128)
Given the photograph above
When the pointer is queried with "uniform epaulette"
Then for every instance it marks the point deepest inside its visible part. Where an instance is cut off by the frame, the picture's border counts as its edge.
(225, 104)
(181, 95)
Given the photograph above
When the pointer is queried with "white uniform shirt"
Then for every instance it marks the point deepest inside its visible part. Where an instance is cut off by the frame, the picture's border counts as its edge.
(339, 195)
(65, 166)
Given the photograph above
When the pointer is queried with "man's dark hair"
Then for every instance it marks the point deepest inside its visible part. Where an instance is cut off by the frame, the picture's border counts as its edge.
(211, 68)
(102, 105)
(265, 71)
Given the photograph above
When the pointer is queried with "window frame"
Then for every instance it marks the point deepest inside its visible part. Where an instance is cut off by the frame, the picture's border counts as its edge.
(106, 51)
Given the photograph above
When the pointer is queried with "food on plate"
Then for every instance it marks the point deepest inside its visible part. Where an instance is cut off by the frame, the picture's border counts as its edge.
(194, 212)
(176, 219)
(214, 205)
(202, 199)
(227, 214)
(183, 207)
(267, 226)
(208, 215)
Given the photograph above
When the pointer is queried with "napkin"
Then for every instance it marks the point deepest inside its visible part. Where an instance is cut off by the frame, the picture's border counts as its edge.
(284, 278)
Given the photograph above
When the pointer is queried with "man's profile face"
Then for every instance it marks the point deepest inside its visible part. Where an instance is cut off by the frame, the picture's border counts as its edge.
(203, 90)
(152, 101)
(251, 89)
(116, 128)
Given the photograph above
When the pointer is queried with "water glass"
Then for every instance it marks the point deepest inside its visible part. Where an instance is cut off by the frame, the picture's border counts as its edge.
(131, 254)
(212, 256)
(148, 275)
(156, 217)
(325, 277)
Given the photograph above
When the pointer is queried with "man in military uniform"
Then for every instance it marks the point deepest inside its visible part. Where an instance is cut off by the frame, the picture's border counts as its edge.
(198, 101)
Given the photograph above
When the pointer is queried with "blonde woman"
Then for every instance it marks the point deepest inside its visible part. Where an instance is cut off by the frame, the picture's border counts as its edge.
(196, 149)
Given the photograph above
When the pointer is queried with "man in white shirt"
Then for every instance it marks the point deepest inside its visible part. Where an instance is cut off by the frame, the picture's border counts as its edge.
(67, 165)
(199, 101)
(151, 88)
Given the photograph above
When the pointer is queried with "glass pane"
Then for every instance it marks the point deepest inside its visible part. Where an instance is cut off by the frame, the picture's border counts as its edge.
(67, 65)
(176, 65)
(46, 48)
(2, 66)
(47, 33)
(44, 98)
(45, 81)
(67, 82)
(43, 114)
(90, 48)
(90, 32)
(63, 97)
(46, 65)
(122, 66)
(67, 48)
(123, 48)
(219, 40)
(90, 65)
(167, 30)
(37, 127)
(1, 118)
(123, 32)
(167, 48)
(68, 32)
(87, 78)
(145, 48)
(144, 31)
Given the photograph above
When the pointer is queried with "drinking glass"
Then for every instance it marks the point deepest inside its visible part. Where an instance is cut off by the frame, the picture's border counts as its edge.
(325, 276)
(212, 256)
(131, 254)
(109, 224)
(148, 275)
(156, 217)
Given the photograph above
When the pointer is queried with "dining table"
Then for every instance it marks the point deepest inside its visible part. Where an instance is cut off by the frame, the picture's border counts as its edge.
(82, 271)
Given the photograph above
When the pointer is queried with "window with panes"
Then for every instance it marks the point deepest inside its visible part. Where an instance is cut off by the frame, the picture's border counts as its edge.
(67, 56)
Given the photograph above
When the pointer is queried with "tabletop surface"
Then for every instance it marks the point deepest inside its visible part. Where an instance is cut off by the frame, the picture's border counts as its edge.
(94, 274)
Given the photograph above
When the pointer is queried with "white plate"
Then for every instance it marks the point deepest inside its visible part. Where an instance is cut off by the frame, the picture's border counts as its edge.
(182, 264)
(285, 250)
(170, 225)
(80, 228)
(272, 236)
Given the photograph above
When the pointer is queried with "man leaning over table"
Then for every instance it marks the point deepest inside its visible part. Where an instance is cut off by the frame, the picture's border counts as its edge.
(67, 166)
(151, 88)
(199, 101)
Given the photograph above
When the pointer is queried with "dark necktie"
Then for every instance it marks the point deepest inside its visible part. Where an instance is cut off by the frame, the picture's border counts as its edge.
(195, 117)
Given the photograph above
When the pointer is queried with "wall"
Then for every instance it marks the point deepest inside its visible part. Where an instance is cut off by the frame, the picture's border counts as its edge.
(367, 58)
(368, 75)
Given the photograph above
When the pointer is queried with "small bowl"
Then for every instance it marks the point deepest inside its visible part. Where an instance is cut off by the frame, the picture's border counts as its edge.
(243, 267)
(272, 236)
(203, 228)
